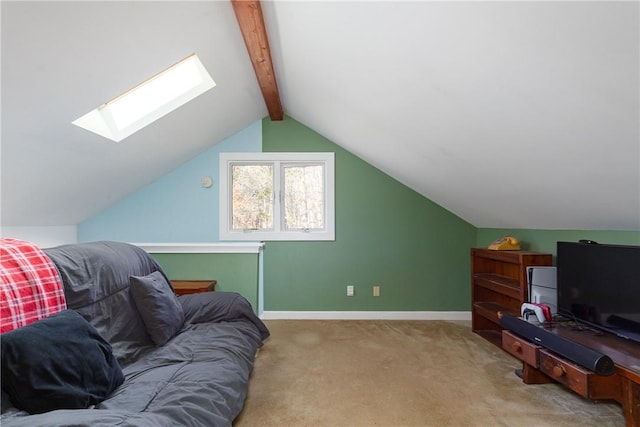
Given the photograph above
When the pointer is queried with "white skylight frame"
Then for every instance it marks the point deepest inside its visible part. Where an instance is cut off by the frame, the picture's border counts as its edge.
(149, 101)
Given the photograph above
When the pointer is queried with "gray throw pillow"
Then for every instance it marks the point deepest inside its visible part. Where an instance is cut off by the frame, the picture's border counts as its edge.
(158, 306)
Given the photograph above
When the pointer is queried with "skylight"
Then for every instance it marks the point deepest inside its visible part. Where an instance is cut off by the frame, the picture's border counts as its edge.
(148, 101)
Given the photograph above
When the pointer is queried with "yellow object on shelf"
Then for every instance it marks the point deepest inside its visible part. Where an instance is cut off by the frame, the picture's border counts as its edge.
(506, 243)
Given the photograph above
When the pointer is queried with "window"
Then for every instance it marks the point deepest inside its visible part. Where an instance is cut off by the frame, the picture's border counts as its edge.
(149, 101)
(277, 196)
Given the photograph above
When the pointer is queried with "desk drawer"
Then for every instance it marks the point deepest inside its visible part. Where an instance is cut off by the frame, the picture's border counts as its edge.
(185, 287)
(586, 383)
(521, 348)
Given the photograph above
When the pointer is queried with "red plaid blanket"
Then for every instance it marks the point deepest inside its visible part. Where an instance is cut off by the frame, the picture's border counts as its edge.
(30, 286)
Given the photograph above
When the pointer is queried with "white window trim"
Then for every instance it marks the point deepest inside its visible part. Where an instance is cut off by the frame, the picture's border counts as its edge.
(226, 233)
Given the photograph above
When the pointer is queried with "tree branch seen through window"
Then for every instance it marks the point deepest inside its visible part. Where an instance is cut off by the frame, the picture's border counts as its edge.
(277, 196)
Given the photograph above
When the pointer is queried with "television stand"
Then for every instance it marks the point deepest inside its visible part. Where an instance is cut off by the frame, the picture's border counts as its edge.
(540, 366)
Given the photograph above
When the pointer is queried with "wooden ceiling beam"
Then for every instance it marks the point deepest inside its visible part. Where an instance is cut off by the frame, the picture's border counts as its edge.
(251, 21)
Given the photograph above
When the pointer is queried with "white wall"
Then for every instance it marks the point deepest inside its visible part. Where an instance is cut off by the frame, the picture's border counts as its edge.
(45, 237)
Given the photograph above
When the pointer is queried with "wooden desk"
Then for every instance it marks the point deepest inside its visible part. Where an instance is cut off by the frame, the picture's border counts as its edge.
(542, 366)
(184, 287)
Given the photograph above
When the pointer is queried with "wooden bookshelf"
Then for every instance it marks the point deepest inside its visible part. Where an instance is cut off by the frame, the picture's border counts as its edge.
(499, 285)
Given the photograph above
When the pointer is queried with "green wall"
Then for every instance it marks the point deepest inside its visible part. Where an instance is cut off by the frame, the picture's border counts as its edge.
(386, 234)
(234, 272)
(545, 240)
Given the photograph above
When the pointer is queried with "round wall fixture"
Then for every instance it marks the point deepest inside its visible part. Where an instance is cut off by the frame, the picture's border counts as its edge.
(206, 181)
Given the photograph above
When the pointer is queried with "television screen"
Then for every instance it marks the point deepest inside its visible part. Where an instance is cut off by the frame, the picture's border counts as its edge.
(600, 285)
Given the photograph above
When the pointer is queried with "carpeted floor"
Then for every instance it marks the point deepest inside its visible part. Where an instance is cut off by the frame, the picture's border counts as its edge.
(401, 373)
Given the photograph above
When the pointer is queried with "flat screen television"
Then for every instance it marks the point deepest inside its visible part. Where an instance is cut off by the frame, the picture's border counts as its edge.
(600, 285)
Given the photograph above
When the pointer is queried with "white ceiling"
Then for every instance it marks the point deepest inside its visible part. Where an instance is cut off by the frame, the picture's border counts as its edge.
(508, 114)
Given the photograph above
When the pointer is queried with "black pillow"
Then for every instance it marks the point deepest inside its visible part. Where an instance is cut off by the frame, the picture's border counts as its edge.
(60, 362)
(158, 306)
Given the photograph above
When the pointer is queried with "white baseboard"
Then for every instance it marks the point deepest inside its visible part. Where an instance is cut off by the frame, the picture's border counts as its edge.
(366, 315)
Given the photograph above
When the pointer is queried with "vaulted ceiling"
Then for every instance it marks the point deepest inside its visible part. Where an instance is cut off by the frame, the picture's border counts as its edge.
(508, 114)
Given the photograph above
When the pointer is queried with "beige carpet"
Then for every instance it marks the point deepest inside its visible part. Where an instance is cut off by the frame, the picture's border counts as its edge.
(401, 373)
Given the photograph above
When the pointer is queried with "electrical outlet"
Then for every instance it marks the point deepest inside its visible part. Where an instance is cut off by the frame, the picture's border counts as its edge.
(350, 290)
(376, 290)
